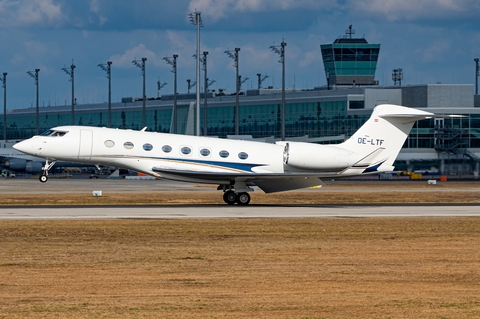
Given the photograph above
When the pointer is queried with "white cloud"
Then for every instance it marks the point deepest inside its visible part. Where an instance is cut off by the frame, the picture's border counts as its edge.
(95, 8)
(140, 51)
(397, 10)
(26, 13)
(218, 9)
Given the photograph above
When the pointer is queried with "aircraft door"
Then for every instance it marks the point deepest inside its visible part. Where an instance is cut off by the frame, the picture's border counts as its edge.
(86, 143)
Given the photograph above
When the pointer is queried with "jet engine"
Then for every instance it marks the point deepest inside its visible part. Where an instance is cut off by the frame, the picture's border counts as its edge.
(315, 157)
(21, 165)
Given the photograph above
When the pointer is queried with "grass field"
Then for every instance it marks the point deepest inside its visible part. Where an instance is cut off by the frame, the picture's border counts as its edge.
(253, 268)
(244, 268)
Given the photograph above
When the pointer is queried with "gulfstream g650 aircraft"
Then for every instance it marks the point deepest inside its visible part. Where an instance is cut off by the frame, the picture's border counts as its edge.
(232, 164)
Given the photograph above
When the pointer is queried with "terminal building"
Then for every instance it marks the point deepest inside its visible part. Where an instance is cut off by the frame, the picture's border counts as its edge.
(327, 114)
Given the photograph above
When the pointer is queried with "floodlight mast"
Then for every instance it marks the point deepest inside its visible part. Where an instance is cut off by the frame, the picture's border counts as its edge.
(107, 68)
(397, 75)
(72, 79)
(190, 84)
(4, 85)
(261, 79)
(477, 73)
(142, 67)
(196, 20)
(160, 85)
(205, 80)
(37, 115)
(281, 52)
(173, 62)
(234, 56)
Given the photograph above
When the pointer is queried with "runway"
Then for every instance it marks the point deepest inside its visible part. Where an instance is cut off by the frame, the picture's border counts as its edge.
(179, 211)
(223, 211)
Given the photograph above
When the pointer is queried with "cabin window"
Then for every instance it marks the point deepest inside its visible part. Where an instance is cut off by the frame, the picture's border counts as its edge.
(186, 150)
(205, 152)
(242, 155)
(109, 143)
(166, 148)
(224, 154)
(147, 147)
(128, 145)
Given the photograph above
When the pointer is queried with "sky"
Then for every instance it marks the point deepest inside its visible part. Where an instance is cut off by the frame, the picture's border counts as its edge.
(433, 41)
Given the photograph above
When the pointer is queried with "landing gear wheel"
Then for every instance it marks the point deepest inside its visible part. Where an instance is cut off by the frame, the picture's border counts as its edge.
(43, 178)
(230, 197)
(243, 199)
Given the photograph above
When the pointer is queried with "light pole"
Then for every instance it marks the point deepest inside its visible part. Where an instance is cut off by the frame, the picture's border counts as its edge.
(4, 85)
(205, 81)
(160, 85)
(196, 20)
(37, 115)
(72, 79)
(281, 52)
(234, 56)
(397, 75)
(142, 67)
(477, 73)
(190, 85)
(107, 69)
(328, 79)
(173, 62)
(261, 79)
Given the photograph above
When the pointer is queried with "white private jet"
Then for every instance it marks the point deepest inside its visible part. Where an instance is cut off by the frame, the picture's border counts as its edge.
(234, 165)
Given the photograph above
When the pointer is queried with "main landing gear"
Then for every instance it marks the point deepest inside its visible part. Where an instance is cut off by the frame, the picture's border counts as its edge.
(230, 197)
(239, 195)
(44, 177)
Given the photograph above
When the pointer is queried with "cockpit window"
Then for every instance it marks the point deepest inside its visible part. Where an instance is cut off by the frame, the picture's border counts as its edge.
(53, 133)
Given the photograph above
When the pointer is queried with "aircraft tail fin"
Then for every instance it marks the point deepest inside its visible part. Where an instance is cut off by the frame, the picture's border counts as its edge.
(381, 138)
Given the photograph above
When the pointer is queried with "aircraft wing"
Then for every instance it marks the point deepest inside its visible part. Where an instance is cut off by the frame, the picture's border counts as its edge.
(269, 183)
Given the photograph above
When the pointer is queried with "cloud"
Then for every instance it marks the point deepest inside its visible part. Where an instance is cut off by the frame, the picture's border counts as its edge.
(410, 10)
(95, 8)
(220, 9)
(137, 53)
(27, 13)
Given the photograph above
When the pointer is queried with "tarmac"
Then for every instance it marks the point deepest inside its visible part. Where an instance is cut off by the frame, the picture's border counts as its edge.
(88, 186)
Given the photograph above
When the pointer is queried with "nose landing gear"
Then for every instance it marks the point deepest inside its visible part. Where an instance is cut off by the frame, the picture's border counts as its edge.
(44, 177)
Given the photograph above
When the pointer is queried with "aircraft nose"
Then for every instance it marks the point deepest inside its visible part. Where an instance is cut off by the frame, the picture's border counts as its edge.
(24, 146)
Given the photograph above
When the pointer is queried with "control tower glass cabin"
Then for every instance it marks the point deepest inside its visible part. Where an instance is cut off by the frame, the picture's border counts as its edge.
(350, 61)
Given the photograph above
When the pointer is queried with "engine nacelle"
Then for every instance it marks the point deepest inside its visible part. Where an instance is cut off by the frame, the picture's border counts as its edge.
(33, 167)
(21, 165)
(316, 157)
(16, 164)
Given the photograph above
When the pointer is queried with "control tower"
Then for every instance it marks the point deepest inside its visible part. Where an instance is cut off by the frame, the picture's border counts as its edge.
(350, 61)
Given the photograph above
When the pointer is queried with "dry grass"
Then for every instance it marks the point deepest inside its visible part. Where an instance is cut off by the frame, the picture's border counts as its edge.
(249, 268)
(244, 268)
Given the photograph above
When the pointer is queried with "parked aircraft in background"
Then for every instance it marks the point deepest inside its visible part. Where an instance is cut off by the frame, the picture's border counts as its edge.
(234, 165)
(17, 161)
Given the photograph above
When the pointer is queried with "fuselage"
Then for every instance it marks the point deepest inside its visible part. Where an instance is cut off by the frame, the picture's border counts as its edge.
(141, 151)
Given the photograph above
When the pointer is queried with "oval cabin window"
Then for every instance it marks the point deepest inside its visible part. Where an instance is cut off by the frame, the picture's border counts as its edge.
(224, 154)
(205, 152)
(166, 148)
(186, 150)
(109, 143)
(242, 155)
(147, 147)
(128, 145)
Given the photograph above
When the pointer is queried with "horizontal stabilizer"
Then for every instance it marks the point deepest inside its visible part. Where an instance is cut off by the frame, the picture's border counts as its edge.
(416, 117)
(370, 158)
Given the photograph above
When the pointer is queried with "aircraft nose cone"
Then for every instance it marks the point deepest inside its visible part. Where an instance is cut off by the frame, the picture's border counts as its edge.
(24, 146)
